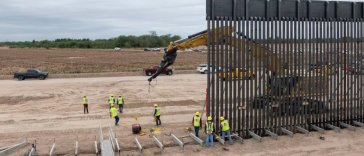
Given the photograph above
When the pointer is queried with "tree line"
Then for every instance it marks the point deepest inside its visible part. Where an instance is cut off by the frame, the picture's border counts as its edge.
(121, 41)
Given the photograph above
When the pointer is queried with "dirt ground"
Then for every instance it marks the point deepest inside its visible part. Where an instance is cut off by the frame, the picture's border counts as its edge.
(51, 111)
(65, 61)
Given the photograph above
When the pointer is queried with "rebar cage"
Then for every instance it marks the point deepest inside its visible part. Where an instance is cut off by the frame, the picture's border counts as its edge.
(282, 64)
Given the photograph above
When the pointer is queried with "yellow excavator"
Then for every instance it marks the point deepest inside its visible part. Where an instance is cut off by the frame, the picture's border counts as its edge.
(284, 87)
(201, 39)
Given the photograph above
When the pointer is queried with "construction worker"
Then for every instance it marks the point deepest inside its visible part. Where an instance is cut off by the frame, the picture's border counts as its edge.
(114, 113)
(225, 129)
(121, 103)
(157, 114)
(85, 104)
(196, 121)
(209, 130)
(111, 100)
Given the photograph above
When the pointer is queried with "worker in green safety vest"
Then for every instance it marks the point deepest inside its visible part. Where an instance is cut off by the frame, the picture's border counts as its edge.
(114, 113)
(197, 122)
(111, 100)
(121, 103)
(209, 130)
(157, 114)
(85, 104)
(225, 129)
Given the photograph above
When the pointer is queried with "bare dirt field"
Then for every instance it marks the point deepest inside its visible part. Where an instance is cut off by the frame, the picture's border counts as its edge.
(52, 110)
(64, 61)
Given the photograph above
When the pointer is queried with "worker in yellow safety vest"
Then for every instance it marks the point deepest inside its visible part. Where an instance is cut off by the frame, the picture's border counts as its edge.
(209, 130)
(225, 129)
(157, 114)
(85, 104)
(197, 122)
(121, 103)
(111, 100)
(114, 113)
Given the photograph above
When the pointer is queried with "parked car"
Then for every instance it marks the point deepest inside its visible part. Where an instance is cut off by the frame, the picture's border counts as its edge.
(202, 68)
(147, 49)
(150, 71)
(188, 50)
(156, 49)
(197, 50)
(31, 73)
(354, 68)
(117, 48)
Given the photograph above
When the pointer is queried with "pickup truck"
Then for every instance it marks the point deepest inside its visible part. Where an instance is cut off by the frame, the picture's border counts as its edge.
(150, 71)
(31, 73)
(202, 68)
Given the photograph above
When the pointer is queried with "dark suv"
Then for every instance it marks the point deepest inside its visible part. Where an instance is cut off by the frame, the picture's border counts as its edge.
(31, 73)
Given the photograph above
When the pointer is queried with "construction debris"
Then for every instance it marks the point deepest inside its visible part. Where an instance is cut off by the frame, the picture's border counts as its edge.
(157, 153)
(197, 150)
(322, 137)
(225, 148)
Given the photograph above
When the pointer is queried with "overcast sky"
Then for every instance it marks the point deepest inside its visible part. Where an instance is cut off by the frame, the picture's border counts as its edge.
(25, 20)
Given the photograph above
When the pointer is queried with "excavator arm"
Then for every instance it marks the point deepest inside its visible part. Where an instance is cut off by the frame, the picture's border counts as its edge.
(256, 50)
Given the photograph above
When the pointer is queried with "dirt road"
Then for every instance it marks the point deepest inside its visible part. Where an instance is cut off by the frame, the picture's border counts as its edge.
(52, 110)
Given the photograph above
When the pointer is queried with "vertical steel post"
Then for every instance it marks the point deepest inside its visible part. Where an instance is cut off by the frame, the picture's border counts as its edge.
(240, 122)
(210, 45)
(278, 85)
(292, 69)
(216, 116)
(250, 69)
(254, 70)
(227, 76)
(244, 102)
(247, 104)
(233, 107)
(284, 103)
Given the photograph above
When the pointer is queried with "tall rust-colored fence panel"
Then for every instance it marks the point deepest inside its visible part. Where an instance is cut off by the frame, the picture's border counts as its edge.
(285, 65)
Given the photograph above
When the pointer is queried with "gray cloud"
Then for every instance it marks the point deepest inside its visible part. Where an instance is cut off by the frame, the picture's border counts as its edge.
(23, 20)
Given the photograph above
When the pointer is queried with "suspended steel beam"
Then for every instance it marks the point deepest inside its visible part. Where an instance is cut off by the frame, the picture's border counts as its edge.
(198, 140)
(158, 143)
(273, 135)
(348, 126)
(12, 148)
(287, 131)
(332, 127)
(139, 146)
(318, 129)
(179, 142)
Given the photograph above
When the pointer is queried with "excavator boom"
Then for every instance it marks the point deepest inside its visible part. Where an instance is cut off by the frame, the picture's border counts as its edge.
(198, 39)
